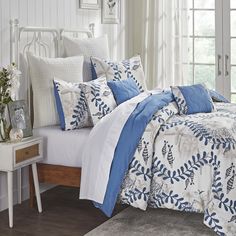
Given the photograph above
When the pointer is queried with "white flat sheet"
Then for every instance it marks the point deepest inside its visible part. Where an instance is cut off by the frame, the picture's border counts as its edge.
(98, 159)
(63, 147)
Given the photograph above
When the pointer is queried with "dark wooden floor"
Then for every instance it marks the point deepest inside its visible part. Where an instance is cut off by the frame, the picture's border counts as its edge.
(63, 215)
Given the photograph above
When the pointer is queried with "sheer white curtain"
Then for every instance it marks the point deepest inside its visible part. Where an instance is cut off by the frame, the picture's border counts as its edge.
(164, 41)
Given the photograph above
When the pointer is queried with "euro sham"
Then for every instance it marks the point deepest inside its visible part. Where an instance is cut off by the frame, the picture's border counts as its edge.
(42, 71)
(96, 47)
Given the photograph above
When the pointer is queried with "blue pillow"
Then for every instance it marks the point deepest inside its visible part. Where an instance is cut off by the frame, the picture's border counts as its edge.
(123, 90)
(59, 106)
(93, 71)
(217, 97)
(193, 99)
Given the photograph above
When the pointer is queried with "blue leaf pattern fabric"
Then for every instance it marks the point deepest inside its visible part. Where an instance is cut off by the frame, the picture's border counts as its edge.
(217, 97)
(71, 105)
(179, 98)
(99, 98)
(193, 99)
(116, 71)
(187, 163)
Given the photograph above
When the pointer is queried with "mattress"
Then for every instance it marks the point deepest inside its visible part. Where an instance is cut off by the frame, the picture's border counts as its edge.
(63, 147)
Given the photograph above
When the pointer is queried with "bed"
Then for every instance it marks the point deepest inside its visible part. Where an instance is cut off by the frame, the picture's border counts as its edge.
(63, 169)
(68, 144)
(61, 166)
(146, 150)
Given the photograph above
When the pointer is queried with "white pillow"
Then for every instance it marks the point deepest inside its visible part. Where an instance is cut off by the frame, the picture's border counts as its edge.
(96, 47)
(42, 71)
(100, 99)
(121, 70)
(71, 105)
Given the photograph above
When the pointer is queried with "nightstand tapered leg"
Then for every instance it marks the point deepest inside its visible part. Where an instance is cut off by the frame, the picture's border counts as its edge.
(36, 185)
(19, 185)
(10, 197)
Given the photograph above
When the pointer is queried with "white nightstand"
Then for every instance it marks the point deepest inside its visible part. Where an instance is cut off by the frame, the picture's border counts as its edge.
(14, 156)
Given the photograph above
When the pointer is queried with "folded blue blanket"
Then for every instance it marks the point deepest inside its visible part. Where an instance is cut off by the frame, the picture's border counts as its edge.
(127, 144)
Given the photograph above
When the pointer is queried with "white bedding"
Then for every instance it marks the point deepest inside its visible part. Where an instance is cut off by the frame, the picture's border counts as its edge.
(63, 147)
(97, 160)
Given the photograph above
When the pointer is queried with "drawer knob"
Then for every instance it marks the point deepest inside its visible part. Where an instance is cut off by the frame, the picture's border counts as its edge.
(27, 153)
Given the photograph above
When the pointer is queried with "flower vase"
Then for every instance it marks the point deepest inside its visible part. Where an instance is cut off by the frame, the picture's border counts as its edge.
(4, 129)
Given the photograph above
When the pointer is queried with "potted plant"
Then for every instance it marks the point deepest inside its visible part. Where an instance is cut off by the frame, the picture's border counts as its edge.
(9, 85)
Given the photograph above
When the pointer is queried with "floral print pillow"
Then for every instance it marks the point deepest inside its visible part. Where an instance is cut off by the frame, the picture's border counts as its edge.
(131, 68)
(180, 101)
(71, 105)
(99, 98)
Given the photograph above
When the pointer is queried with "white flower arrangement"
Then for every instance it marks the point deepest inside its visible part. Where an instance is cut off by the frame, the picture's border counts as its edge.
(14, 75)
(9, 86)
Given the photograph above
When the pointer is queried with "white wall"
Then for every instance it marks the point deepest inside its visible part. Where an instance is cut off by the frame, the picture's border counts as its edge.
(54, 13)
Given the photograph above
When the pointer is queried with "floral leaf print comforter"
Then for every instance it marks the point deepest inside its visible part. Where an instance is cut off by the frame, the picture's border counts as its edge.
(185, 163)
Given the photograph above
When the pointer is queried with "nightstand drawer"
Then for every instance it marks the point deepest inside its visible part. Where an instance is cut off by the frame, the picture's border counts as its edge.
(27, 153)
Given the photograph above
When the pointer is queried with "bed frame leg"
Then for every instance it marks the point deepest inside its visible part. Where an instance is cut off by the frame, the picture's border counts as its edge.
(31, 189)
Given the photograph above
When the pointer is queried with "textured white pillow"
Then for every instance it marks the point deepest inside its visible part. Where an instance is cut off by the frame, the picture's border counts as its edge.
(96, 47)
(42, 71)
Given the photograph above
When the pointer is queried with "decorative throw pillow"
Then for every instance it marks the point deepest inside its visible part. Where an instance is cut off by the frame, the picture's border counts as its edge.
(97, 47)
(71, 105)
(217, 97)
(131, 68)
(99, 98)
(193, 99)
(42, 71)
(123, 90)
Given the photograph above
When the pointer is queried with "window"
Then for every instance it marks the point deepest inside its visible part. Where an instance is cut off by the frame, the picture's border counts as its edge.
(212, 45)
(202, 37)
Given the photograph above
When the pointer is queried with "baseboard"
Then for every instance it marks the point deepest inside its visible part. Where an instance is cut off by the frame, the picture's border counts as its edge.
(4, 198)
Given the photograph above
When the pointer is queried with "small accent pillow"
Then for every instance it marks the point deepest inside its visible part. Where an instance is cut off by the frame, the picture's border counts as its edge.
(71, 105)
(123, 90)
(99, 98)
(217, 97)
(131, 68)
(193, 99)
(96, 47)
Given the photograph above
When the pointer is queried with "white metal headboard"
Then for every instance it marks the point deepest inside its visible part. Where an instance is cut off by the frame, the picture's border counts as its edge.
(36, 39)
(42, 41)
